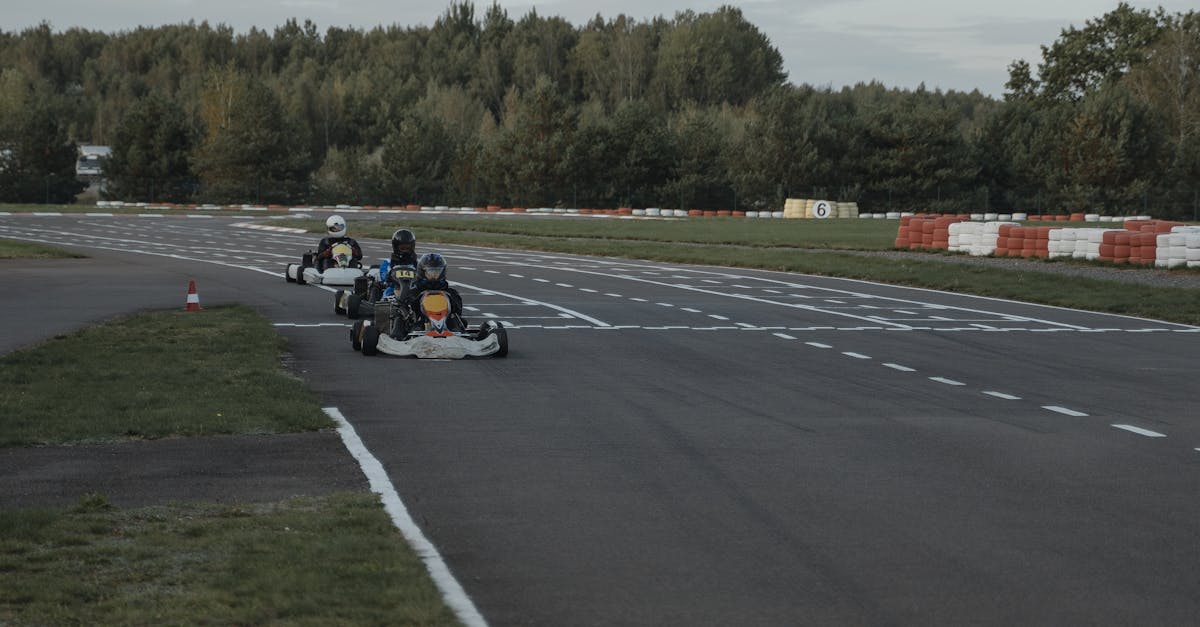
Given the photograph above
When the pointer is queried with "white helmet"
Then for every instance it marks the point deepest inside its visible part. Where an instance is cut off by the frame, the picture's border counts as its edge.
(336, 226)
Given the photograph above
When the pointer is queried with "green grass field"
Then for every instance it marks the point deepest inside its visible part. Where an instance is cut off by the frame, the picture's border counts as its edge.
(329, 561)
(226, 359)
(14, 249)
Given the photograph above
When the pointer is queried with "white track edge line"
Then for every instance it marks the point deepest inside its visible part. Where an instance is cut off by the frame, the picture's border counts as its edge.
(452, 591)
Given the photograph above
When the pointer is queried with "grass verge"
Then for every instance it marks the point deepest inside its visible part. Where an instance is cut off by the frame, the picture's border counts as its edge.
(14, 249)
(1047, 288)
(330, 561)
(154, 375)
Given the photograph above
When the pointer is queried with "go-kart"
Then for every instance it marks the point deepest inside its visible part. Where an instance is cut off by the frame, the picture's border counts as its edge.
(432, 331)
(372, 289)
(341, 269)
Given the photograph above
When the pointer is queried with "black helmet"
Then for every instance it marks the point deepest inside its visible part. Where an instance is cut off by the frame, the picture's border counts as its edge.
(404, 242)
(431, 267)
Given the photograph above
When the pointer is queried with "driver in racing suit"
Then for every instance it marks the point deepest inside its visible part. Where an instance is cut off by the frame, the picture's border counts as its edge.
(431, 275)
(336, 227)
(404, 253)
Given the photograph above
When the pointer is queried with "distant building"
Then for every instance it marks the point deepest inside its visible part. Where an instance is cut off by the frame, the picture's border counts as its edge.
(89, 163)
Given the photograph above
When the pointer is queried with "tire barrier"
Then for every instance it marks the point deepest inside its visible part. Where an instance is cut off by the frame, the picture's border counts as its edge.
(807, 208)
(1158, 243)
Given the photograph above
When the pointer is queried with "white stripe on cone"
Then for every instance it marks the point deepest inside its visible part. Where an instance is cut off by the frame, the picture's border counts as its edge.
(193, 299)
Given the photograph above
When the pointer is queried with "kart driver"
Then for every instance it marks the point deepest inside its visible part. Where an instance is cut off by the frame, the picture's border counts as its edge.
(404, 253)
(404, 248)
(431, 275)
(336, 227)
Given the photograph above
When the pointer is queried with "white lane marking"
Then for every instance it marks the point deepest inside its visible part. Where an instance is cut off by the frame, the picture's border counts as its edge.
(614, 295)
(783, 336)
(690, 310)
(1140, 431)
(1007, 397)
(900, 368)
(664, 304)
(516, 276)
(564, 285)
(1064, 410)
(716, 317)
(588, 290)
(746, 325)
(541, 280)
(638, 300)
(452, 591)
(581, 316)
(711, 281)
(856, 355)
(818, 345)
(946, 381)
(492, 271)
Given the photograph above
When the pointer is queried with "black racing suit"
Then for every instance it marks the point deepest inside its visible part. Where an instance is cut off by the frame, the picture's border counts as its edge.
(325, 252)
(421, 285)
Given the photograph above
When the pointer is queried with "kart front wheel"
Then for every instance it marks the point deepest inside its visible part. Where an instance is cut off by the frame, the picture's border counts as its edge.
(356, 335)
(370, 340)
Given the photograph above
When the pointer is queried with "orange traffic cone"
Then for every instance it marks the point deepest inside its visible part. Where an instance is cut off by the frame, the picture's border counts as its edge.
(193, 299)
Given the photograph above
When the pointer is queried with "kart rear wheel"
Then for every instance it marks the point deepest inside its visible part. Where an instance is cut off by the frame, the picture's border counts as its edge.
(287, 274)
(352, 302)
(356, 335)
(337, 302)
(370, 340)
(502, 335)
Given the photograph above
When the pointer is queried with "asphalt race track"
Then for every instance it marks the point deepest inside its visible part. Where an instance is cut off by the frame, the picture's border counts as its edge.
(685, 445)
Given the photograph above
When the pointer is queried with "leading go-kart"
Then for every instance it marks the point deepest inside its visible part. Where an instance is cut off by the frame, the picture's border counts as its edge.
(341, 270)
(428, 330)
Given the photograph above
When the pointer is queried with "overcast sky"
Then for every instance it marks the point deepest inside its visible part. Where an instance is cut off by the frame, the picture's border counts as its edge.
(946, 44)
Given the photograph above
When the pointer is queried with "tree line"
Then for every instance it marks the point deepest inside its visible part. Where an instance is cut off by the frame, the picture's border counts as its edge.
(694, 111)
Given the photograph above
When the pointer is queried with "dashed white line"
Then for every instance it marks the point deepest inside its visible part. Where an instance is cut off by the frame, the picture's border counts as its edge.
(690, 310)
(1064, 410)
(541, 280)
(856, 355)
(614, 295)
(1007, 397)
(1140, 431)
(638, 300)
(664, 304)
(564, 285)
(516, 276)
(588, 290)
(900, 368)
(783, 336)
(746, 325)
(716, 317)
(818, 345)
(946, 381)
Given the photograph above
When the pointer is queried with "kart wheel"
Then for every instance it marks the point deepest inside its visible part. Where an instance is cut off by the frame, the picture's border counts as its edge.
(376, 293)
(502, 335)
(352, 302)
(356, 335)
(360, 285)
(370, 340)
(287, 274)
(337, 302)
